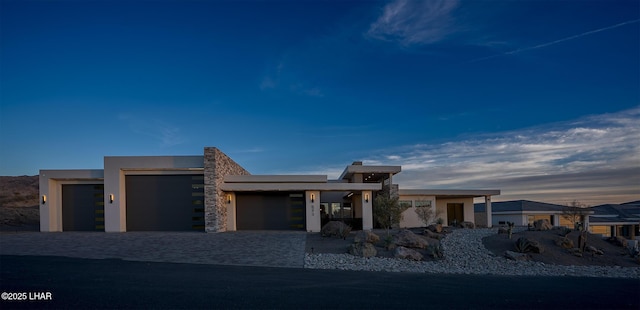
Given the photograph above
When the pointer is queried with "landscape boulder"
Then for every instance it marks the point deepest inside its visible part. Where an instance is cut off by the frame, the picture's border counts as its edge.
(407, 238)
(515, 255)
(575, 252)
(436, 228)
(335, 229)
(433, 235)
(536, 247)
(542, 225)
(469, 225)
(366, 236)
(594, 250)
(363, 249)
(619, 241)
(406, 253)
(565, 243)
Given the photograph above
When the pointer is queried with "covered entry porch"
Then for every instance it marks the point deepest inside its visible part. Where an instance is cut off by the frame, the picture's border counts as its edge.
(317, 195)
(452, 206)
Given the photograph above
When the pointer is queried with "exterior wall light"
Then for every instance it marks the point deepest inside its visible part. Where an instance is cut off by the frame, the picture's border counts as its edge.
(366, 197)
(110, 198)
(313, 197)
(229, 198)
(44, 199)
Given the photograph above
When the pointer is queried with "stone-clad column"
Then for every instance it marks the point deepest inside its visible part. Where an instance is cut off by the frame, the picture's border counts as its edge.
(210, 195)
(217, 165)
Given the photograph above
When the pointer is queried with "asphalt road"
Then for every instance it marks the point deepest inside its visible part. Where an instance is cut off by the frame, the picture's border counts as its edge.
(96, 283)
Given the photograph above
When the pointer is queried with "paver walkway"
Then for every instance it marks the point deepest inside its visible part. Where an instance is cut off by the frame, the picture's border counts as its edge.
(250, 248)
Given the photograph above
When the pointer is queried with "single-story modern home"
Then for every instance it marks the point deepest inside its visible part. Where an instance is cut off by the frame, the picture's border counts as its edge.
(525, 212)
(616, 220)
(607, 220)
(213, 193)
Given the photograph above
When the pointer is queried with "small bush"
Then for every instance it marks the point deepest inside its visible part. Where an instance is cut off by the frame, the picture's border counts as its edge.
(435, 251)
(524, 245)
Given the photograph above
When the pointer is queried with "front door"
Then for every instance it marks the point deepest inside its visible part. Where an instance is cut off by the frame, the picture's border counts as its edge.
(455, 213)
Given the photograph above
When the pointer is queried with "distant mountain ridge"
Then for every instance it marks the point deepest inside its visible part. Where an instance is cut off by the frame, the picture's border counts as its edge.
(20, 191)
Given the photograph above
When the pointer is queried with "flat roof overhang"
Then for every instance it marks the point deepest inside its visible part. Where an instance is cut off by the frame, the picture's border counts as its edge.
(527, 212)
(73, 174)
(449, 193)
(592, 223)
(263, 178)
(350, 170)
(282, 187)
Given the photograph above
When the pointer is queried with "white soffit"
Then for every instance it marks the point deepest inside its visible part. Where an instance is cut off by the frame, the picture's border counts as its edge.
(444, 193)
(275, 179)
(277, 187)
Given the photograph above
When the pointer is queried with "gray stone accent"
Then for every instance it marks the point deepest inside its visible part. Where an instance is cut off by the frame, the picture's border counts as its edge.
(217, 165)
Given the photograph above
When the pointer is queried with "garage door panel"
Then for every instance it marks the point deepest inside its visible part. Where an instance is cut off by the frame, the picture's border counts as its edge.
(269, 211)
(83, 207)
(165, 203)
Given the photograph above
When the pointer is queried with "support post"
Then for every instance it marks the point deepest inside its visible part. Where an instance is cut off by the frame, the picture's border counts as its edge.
(313, 217)
(487, 203)
(367, 210)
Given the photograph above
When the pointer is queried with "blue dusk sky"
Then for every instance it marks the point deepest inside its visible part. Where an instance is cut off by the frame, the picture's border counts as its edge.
(540, 99)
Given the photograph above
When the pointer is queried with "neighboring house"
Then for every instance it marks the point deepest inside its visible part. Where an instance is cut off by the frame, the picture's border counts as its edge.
(616, 220)
(525, 212)
(213, 193)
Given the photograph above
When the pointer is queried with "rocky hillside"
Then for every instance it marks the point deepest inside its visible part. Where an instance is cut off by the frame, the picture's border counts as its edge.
(19, 203)
(19, 191)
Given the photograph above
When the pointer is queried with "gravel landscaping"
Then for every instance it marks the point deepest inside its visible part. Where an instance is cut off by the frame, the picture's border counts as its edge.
(465, 254)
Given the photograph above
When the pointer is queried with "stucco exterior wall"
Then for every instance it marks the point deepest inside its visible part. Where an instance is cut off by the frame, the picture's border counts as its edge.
(217, 165)
(117, 167)
(50, 183)
(313, 216)
(410, 217)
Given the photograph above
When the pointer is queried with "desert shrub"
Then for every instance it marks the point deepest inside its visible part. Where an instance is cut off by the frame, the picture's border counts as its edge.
(576, 212)
(524, 245)
(510, 229)
(387, 210)
(427, 214)
(435, 251)
(344, 231)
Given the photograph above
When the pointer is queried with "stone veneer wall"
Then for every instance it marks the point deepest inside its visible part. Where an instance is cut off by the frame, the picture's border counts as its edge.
(216, 166)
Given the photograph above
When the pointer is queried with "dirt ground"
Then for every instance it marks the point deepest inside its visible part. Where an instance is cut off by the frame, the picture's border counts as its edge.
(554, 254)
(498, 244)
(19, 218)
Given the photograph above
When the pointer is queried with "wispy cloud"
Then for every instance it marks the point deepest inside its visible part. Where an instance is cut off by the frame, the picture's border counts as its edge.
(594, 159)
(161, 131)
(542, 45)
(414, 22)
